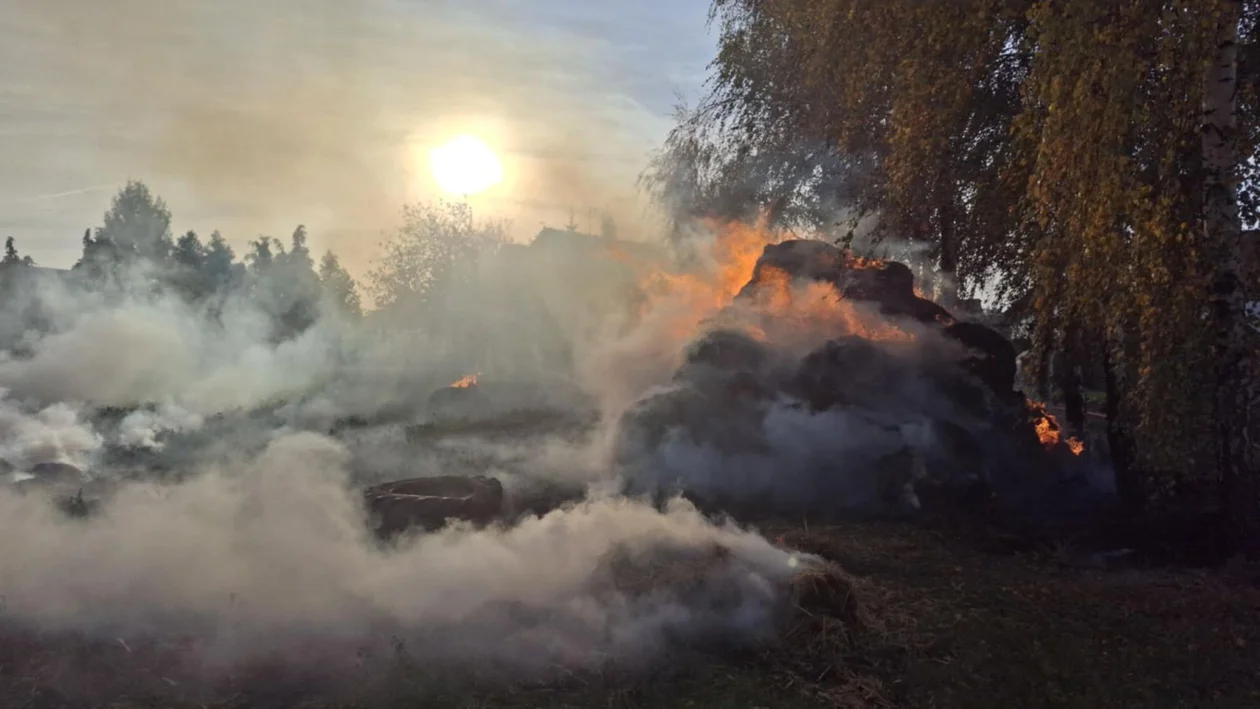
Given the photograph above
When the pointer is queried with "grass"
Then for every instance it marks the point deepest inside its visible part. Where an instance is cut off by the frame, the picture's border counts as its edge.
(932, 621)
(1036, 631)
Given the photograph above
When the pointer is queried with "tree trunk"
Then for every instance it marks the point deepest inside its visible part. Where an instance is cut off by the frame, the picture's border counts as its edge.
(1069, 382)
(1130, 486)
(1044, 353)
(1236, 385)
(947, 253)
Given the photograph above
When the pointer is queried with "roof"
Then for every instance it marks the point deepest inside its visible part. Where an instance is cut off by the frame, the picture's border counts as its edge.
(576, 242)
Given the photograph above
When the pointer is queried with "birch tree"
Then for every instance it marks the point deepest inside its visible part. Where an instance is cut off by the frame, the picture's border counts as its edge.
(1237, 386)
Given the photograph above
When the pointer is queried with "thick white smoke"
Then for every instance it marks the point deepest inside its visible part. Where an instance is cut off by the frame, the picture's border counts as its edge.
(274, 552)
(52, 434)
(239, 521)
(142, 428)
(140, 351)
(230, 464)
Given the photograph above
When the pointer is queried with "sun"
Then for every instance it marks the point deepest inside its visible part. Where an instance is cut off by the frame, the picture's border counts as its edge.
(465, 165)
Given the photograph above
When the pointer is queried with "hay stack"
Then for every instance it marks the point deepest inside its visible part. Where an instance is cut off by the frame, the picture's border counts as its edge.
(825, 614)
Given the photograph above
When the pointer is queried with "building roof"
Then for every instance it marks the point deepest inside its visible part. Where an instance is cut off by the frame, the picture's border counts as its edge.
(576, 242)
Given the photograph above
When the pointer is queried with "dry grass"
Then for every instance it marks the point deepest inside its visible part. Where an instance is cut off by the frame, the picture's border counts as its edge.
(898, 617)
(965, 628)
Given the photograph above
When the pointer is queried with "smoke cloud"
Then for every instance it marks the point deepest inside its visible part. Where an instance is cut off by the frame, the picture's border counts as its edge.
(275, 552)
(53, 434)
(225, 463)
(225, 467)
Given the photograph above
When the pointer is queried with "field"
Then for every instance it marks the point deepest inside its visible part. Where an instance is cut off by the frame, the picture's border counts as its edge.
(944, 621)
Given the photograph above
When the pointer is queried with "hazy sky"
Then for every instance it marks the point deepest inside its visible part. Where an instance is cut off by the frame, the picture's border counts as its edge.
(252, 116)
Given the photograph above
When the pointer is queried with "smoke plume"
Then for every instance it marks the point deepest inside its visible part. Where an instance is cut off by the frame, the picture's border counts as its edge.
(273, 553)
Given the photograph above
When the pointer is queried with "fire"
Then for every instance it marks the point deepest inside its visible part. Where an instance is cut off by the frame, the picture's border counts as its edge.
(1075, 445)
(466, 381)
(736, 251)
(1047, 425)
(681, 302)
(861, 263)
(816, 308)
(1048, 429)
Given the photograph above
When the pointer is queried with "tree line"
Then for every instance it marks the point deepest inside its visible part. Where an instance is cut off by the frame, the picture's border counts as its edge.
(135, 248)
(1090, 163)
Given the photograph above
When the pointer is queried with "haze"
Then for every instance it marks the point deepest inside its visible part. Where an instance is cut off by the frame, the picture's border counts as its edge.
(254, 117)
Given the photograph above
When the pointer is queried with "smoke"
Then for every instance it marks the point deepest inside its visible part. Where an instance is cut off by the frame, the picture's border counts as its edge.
(227, 463)
(140, 351)
(273, 552)
(141, 428)
(53, 434)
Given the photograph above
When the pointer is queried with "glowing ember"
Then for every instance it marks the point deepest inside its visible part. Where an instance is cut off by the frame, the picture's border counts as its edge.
(468, 380)
(1076, 445)
(862, 263)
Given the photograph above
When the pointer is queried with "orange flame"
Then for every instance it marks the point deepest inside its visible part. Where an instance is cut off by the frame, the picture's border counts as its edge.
(1048, 430)
(681, 302)
(466, 381)
(861, 263)
(1047, 425)
(735, 250)
(1075, 445)
(816, 308)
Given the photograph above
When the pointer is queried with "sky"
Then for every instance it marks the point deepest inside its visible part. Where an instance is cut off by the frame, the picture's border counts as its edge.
(254, 116)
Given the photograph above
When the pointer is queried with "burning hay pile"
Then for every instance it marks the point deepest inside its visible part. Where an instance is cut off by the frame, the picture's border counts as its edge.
(828, 383)
(461, 398)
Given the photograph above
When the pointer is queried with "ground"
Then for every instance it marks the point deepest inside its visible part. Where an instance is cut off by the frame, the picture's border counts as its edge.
(951, 623)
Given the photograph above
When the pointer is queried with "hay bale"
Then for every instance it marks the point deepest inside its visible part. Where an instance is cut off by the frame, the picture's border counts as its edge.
(456, 401)
(822, 590)
(992, 359)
